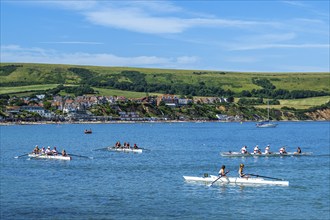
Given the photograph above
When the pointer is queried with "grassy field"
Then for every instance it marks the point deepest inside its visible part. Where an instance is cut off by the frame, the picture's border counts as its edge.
(23, 89)
(235, 81)
(127, 94)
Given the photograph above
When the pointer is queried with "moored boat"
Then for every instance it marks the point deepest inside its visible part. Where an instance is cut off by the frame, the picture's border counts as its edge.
(274, 154)
(235, 180)
(133, 150)
(88, 131)
(45, 156)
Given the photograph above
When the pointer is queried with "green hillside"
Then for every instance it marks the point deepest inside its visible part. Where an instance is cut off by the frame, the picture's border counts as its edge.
(182, 82)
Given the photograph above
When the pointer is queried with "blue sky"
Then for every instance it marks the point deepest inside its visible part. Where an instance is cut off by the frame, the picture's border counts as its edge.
(275, 36)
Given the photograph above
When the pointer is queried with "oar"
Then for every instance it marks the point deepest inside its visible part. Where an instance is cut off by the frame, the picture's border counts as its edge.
(216, 179)
(103, 148)
(80, 156)
(265, 177)
(21, 156)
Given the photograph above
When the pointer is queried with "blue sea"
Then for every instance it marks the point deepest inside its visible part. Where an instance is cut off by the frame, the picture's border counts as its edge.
(150, 185)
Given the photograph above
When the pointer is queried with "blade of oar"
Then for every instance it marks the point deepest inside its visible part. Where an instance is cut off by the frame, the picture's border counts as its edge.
(264, 177)
(103, 148)
(21, 156)
(80, 156)
(217, 179)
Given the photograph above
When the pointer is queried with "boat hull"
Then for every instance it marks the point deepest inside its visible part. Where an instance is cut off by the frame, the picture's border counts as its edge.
(51, 157)
(266, 125)
(238, 154)
(235, 180)
(128, 150)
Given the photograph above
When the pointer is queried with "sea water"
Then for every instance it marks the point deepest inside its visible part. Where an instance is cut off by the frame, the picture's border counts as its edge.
(150, 185)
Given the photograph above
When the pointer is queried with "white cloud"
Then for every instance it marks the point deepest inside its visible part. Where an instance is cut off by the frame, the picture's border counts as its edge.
(15, 53)
(269, 46)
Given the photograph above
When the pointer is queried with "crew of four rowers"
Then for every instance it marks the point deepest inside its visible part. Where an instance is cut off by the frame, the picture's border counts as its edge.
(256, 150)
(47, 151)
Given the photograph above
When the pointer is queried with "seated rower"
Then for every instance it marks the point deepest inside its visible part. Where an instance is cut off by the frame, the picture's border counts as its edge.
(244, 150)
(128, 146)
(42, 151)
(54, 151)
(241, 173)
(64, 153)
(135, 146)
(256, 150)
(298, 151)
(222, 171)
(283, 151)
(48, 151)
(36, 150)
(267, 149)
(118, 145)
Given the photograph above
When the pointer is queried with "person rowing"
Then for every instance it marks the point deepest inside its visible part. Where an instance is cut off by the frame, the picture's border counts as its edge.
(64, 153)
(244, 150)
(256, 150)
(135, 146)
(118, 145)
(54, 151)
(283, 151)
(267, 149)
(48, 151)
(241, 173)
(222, 171)
(36, 150)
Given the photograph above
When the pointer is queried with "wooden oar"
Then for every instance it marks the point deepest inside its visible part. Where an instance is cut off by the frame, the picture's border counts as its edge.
(80, 156)
(265, 177)
(21, 156)
(217, 179)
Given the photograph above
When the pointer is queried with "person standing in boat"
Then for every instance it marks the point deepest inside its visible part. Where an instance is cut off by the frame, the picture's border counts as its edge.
(222, 171)
(256, 150)
(241, 172)
(267, 149)
(244, 150)
(282, 150)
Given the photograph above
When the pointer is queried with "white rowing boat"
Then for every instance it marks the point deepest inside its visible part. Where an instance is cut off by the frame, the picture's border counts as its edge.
(53, 157)
(235, 180)
(239, 154)
(133, 150)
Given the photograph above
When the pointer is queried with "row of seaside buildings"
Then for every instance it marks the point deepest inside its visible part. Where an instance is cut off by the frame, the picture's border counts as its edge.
(77, 108)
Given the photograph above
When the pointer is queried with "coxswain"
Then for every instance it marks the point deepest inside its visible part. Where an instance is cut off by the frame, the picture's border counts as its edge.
(267, 149)
(241, 173)
(135, 146)
(298, 150)
(222, 171)
(48, 151)
(256, 150)
(282, 150)
(244, 150)
(64, 153)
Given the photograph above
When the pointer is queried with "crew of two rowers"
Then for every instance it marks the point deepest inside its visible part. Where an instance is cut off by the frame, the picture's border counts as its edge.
(241, 174)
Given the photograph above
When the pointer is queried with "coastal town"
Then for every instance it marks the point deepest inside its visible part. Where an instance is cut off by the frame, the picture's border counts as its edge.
(91, 108)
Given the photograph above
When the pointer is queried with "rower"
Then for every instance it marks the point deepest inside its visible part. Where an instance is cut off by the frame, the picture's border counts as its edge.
(244, 150)
(241, 173)
(36, 150)
(222, 171)
(135, 146)
(64, 153)
(282, 150)
(256, 150)
(48, 151)
(267, 149)
(42, 151)
(54, 151)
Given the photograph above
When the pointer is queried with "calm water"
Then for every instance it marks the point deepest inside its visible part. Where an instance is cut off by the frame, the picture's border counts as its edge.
(150, 185)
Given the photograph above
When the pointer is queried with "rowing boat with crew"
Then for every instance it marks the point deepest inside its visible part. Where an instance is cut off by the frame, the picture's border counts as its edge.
(133, 150)
(273, 154)
(45, 156)
(236, 180)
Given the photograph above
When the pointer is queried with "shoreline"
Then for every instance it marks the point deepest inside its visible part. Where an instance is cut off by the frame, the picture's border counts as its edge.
(141, 122)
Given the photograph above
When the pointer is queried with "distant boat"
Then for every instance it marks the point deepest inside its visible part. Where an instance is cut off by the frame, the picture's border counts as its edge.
(266, 124)
(88, 131)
